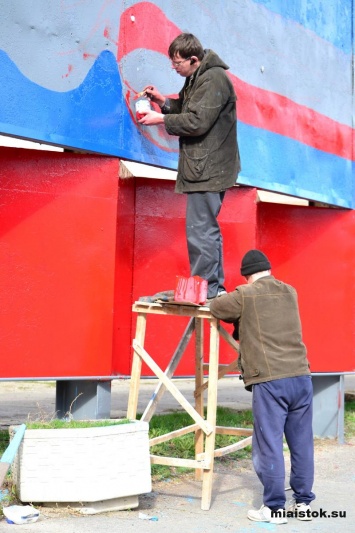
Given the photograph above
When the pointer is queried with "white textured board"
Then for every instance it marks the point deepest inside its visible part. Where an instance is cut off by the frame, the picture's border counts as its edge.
(86, 465)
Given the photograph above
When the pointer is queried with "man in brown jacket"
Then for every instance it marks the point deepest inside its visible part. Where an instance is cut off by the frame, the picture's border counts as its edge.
(275, 367)
(204, 118)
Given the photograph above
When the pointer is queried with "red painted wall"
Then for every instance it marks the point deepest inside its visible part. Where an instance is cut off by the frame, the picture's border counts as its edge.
(78, 245)
(312, 248)
(57, 261)
(160, 254)
(309, 247)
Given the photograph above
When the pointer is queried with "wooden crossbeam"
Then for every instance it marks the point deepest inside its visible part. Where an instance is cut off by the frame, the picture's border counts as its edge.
(223, 370)
(176, 461)
(205, 426)
(229, 339)
(173, 434)
(224, 430)
(169, 372)
(229, 367)
(233, 447)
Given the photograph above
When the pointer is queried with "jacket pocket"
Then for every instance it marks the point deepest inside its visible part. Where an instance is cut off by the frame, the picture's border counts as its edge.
(194, 165)
(249, 372)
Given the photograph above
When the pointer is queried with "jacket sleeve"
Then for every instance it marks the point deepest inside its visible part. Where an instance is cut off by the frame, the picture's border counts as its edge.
(227, 307)
(208, 98)
(172, 105)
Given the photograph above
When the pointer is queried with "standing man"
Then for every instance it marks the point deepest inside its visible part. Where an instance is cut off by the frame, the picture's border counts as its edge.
(274, 366)
(204, 118)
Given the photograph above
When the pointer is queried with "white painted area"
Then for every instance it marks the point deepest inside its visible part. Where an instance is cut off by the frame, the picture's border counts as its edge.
(139, 170)
(276, 198)
(14, 142)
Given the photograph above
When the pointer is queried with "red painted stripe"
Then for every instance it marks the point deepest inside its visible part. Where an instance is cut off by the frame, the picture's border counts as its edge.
(279, 114)
(150, 29)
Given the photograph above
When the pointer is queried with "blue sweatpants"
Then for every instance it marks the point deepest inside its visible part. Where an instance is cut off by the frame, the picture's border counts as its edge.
(283, 407)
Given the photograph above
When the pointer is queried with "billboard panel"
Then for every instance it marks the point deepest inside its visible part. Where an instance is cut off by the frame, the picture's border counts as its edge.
(70, 71)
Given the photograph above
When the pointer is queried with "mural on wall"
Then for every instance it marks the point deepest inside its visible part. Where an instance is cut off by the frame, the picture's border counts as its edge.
(70, 70)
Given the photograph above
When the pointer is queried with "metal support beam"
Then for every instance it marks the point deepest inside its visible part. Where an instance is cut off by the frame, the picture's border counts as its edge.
(83, 399)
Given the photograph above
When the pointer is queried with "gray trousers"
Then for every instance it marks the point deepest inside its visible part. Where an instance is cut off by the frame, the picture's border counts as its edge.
(204, 239)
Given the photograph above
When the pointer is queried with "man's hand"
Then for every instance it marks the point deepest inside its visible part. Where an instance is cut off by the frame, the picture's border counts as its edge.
(152, 118)
(154, 95)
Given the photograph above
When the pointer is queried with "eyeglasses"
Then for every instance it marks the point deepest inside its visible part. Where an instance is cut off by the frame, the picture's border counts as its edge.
(178, 63)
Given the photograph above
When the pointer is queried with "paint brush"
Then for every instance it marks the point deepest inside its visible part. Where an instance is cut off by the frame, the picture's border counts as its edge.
(142, 93)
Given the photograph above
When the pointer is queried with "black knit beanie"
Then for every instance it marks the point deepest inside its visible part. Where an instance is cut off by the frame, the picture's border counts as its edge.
(254, 261)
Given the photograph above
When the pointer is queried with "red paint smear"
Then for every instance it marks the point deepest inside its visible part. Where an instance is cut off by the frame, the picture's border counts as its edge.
(87, 55)
(107, 35)
(70, 68)
(256, 107)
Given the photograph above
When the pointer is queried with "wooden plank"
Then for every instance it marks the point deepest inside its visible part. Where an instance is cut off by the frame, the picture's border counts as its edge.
(173, 434)
(221, 373)
(224, 430)
(227, 337)
(169, 372)
(233, 447)
(211, 414)
(136, 369)
(221, 367)
(176, 461)
(205, 426)
(199, 401)
(172, 309)
(224, 369)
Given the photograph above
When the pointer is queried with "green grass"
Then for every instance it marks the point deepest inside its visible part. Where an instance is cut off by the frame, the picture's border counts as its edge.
(349, 419)
(184, 446)
(55, 423)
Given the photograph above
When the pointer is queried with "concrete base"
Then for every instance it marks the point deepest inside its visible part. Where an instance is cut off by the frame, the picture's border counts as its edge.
(328, 406)
(83, 399)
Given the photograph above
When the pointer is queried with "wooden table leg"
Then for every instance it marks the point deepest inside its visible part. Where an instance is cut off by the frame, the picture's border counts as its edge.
(211, 414)
(199, 403)
(136, 368)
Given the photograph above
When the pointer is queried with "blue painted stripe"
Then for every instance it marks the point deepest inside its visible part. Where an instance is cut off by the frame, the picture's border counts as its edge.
(330, 19)
(276, 163)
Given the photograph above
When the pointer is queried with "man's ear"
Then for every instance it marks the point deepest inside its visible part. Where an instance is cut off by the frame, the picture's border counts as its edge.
(193, 60)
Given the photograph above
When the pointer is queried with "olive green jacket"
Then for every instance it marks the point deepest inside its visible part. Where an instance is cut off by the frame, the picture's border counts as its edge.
(204, 117)
(270, 332)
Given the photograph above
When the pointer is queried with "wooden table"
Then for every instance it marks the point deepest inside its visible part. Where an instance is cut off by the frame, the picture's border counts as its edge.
(205, 429)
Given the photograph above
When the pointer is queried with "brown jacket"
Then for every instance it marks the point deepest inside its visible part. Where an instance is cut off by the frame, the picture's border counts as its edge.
(270, 332)
(204, 117)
